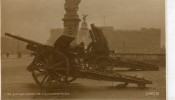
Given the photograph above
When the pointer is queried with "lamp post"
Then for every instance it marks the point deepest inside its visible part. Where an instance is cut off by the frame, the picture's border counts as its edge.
(18, 49)
(124, 50)
(18, 45)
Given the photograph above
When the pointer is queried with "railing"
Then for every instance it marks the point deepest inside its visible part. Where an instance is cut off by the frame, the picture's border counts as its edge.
(147, 58)
(139, 56)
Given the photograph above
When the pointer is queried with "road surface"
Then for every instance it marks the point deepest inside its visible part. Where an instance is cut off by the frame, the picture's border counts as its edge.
(18, 84)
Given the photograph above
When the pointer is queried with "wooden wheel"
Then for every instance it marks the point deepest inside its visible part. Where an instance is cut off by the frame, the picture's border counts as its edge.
(103, 64)
(50, 68)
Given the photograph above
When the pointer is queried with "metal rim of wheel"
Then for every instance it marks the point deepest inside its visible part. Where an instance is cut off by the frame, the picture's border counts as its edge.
(51, 67)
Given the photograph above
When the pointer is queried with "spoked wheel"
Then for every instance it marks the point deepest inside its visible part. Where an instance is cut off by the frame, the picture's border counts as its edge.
(51, 67)
(103, 64)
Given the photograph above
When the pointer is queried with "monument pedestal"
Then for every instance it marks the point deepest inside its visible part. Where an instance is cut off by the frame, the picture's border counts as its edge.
(71, 19)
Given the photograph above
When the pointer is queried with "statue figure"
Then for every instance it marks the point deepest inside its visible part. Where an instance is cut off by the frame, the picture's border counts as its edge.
(73, 1)
(84, 17)
(72, 5)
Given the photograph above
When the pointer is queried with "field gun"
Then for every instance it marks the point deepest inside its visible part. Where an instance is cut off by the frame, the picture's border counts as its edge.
(60, 63)
(99, 47)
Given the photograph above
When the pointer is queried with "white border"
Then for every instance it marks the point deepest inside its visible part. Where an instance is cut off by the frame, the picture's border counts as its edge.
(170, 31)
(170, 44)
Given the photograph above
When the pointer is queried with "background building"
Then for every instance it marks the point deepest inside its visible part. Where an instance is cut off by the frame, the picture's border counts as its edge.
(54, 34)
(145, 40)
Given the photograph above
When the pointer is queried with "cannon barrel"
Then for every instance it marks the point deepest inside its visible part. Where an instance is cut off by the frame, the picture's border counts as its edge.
(94, 32)
(97, 32)
(23, 39)
(92, 35)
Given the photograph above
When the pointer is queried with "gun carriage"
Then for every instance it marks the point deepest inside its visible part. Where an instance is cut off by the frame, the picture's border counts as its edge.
(63, 64)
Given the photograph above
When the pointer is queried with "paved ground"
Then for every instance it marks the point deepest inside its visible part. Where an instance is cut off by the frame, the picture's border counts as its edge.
(17, 83)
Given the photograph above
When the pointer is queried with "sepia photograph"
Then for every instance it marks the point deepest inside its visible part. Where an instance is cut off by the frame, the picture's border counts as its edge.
(83, 50)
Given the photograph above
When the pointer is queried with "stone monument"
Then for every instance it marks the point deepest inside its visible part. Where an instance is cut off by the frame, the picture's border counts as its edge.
(84, 35)
(71, 18)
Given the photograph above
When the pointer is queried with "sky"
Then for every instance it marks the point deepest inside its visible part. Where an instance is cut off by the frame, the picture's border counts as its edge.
(33, 19)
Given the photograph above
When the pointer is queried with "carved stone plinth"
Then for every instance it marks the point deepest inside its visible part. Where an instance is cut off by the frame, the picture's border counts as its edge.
(71, 18)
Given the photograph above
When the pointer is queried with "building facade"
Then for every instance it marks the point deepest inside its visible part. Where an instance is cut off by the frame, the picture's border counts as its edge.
(145, 40)
(54, 34)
